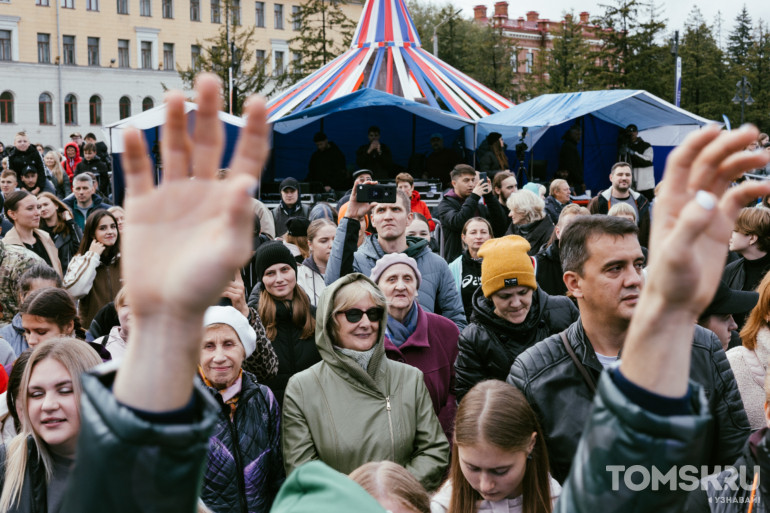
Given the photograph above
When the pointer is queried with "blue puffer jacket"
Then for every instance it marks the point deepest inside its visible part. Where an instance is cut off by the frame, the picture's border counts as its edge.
(245, 467)
(14, 334)
(437, 294)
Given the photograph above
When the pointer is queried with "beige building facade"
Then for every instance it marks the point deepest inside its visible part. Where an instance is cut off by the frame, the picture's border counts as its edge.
(77, 65)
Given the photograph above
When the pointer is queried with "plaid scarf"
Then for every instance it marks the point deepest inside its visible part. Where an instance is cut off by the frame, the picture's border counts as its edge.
(230, 394)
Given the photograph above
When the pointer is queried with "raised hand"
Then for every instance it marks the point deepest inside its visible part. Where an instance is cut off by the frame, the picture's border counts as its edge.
(693, 216)
(183, 241)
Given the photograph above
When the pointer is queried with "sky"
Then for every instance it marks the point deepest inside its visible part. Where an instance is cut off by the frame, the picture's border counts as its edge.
(675, 12)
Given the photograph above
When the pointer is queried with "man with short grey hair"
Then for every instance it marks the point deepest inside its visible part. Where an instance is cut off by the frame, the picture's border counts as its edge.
(558, 197)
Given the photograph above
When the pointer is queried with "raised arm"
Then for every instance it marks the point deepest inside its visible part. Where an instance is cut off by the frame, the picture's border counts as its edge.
(183, 242)
(694, 215)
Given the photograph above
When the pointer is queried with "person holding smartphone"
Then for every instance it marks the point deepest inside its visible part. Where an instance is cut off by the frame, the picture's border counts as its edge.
(471, 196)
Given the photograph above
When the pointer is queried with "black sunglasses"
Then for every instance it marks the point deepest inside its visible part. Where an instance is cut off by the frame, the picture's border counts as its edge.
(356, 314)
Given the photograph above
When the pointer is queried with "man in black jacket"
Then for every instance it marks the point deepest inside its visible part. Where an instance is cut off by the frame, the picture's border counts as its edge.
(621, 192)
(327, 165)
(602, 262)
(462, 203)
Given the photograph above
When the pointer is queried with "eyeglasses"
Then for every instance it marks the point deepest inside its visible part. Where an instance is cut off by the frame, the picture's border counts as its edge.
(356, 314)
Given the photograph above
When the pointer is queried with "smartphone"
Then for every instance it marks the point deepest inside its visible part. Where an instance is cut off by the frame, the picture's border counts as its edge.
(375, 193)
(483, 176)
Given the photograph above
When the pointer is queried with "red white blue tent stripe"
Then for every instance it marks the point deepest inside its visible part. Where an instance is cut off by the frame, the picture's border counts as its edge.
(387, 55)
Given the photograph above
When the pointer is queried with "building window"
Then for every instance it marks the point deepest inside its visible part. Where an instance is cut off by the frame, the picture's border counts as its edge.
(92, 5)
(195, 10)
(6, 107)
(68, 4)
(122, 6)
(145, 8)
(216, 11)
(235, 12)
(5, 45)
(296, 62)
(44, 3)
(70, 110)
(278, 68)
(123, 53)
(278, 15)
(68, 49)
(147, 103)
(95, 110)
(259, 56)
(295, 19)
(260, 18)
(195, 57)
(168, 56)
(93, 51)
(45, 109)
(44, 48)
(515, 61)
(168, 8)
(146, 55)
(124, 106)
(530, 62)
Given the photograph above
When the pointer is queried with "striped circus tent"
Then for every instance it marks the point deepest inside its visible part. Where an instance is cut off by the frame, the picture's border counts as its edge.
(386, 54)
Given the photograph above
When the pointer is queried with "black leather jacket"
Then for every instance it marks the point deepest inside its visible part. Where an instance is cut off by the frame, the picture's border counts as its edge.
(490, 344)
(562, 400)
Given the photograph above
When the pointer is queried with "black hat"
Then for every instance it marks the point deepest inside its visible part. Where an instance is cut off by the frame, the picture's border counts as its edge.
(731, 301)
(493, 137)
(632, 128)
(289, 183)
(28, 171)
(297, 226)
(319, 136)
(272, 253)
(362, 171)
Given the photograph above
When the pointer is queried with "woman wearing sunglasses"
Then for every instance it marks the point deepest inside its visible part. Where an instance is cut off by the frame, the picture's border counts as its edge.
(356, 406)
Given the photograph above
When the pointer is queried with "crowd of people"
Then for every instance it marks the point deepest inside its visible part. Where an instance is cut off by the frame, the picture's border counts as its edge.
(335, 356)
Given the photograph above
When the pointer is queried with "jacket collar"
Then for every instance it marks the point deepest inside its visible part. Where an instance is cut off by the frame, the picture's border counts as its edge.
(582, 346)
(607, 193)
(419, 338)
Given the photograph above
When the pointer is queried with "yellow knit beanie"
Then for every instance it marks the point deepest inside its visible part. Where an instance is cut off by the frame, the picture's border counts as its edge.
(506, 264)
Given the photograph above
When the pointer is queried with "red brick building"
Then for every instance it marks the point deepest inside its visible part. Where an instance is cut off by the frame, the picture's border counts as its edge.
(531, 34)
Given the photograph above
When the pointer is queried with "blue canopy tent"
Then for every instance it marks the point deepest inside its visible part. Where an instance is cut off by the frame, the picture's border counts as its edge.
(150, 122)
(406, 127)
(601, 114)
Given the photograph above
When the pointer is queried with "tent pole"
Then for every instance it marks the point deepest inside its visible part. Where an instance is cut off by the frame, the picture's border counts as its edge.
(475, 139)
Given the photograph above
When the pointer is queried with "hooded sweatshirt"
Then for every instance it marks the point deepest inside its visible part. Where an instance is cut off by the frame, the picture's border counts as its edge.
(69, 165)
(346, 416)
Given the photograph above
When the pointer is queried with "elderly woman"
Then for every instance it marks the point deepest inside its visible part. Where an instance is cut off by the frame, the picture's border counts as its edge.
(245, 469)
(510, 314)
(416, 337)
(529, 219)
(356, 406)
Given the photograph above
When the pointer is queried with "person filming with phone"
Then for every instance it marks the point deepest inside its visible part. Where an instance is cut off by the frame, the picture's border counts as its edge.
(437, 291)
(464, 202)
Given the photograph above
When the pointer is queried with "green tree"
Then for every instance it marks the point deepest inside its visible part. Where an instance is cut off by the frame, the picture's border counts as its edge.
(325, 33)
(705, 90)
(618, 23)
(493, 61)
(216, 56)
(758, 66)
(567, 65)
(649, 63)
(740, 40)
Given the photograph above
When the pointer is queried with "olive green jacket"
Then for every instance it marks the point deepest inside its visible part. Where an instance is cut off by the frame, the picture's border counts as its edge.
(344, 416)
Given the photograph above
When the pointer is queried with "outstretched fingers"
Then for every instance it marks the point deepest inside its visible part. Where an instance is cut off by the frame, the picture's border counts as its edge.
(710, 171)
(738, 197)
(208, 135)
(175, 142)
(137, 167)
(253, 146)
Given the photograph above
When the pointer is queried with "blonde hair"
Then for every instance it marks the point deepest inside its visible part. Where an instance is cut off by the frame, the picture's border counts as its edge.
(622, 209)
(120, 297)
(350, 294)
(77, 357)
(385, 479)
(57, 170)
(556, 184)
(527, 205)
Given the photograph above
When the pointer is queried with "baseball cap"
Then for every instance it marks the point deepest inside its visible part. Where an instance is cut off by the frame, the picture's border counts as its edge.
(290, 183)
